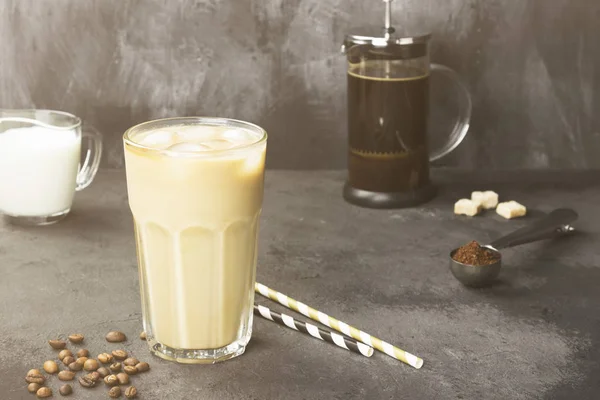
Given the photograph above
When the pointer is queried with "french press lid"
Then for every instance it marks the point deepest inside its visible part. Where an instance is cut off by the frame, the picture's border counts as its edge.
(386, 35)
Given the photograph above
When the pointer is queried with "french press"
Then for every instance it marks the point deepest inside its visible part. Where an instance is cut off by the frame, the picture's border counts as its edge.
(388, 107)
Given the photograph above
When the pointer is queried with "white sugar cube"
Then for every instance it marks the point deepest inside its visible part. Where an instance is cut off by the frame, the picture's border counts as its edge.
(511, 209)
(467, 207)
(488, 199)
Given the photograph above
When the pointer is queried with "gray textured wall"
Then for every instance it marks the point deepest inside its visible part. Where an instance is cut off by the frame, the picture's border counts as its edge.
(532, 66)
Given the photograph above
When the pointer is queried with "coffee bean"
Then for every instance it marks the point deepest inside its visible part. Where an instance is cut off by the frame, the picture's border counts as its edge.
(76, 338)
(83, 353)
(65, 389)
(115, 337)
(91, 365)
(95, 375)
(105, 358)
(123, 378)
(57, 344)
(68, 360)
(131, 392)
(33, 387)
(142, 367)
(50, 367)
(81, 361)
(129, 370)
(111, 380)
(64, 353)
(44, 392)
(103, 371)
(115, 367)
(86, 381)
(143, 336)
(114, 392)
(35, 376)
(131, 361)
(119, 354)
(75, 366)
(66, 375)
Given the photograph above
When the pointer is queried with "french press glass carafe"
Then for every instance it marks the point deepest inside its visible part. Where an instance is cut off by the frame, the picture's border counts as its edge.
(388, 107)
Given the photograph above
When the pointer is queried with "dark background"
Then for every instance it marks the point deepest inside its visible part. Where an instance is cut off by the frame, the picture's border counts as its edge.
(531, 65)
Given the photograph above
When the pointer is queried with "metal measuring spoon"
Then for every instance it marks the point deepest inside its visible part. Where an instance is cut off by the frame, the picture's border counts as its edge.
(552, 225)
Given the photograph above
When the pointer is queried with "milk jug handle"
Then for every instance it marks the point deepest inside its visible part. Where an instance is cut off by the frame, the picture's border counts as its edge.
(461, 126)
(91, 141)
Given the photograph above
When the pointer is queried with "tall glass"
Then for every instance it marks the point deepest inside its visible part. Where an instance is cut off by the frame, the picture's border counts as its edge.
(195, 190)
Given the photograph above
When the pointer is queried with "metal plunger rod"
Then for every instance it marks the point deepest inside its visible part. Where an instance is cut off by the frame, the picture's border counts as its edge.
(388, 14)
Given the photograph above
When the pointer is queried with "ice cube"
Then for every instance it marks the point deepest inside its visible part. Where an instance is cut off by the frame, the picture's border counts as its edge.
(187, 147)
(218, 144)
(198, 133)
(159, 139)
(255, 161)
(235, 135)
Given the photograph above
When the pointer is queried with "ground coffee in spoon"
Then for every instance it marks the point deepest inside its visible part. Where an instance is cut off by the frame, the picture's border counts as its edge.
(473, 253)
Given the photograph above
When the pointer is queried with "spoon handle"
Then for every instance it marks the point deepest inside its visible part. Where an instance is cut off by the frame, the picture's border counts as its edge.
(553, 224)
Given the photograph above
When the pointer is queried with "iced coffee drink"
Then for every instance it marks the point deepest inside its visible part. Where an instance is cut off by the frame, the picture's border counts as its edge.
(195, 190)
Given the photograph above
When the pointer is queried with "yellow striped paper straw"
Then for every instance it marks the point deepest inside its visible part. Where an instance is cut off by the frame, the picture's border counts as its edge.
(339, 326)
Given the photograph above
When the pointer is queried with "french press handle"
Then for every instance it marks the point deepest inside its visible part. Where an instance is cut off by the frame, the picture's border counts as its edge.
(459, 129)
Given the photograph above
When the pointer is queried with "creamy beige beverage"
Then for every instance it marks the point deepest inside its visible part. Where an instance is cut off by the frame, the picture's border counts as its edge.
(195, 190)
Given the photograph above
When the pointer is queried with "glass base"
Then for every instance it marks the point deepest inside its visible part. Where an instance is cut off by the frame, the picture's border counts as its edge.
(192, 356)
(382, 200)
(35, 220)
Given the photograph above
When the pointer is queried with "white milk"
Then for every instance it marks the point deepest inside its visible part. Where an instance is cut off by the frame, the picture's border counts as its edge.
(38, 170)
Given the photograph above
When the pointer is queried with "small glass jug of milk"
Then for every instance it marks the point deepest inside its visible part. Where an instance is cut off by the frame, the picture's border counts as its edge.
(40, 164)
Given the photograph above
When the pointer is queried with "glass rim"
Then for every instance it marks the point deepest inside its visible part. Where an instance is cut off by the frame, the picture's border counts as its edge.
(223, 121)
(13, 116)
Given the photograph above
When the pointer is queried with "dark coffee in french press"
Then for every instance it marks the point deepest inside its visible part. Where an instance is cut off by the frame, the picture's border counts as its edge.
(387, 126)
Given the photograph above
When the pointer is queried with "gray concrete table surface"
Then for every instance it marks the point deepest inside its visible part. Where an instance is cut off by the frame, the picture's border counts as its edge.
(534, 335)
